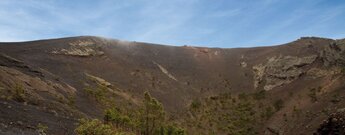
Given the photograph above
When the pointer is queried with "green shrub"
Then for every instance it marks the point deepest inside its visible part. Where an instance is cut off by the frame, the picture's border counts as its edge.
(152, 115)
(343, 70)
(312, 95)
(148, 120)
(114, 116)
(93, 127)
(335, 99)
(42, 129)
(243, 96)
(268, 112)
(196, 104)
(99, 93)
(19, 93)
(278, 104)
(71, 100)
(259, 95)
(296, 111)
(171, 130)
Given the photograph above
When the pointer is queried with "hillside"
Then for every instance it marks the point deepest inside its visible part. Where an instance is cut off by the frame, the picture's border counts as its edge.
(284, 89)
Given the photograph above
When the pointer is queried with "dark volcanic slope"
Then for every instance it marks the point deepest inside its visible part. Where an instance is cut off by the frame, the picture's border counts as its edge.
(53, 71)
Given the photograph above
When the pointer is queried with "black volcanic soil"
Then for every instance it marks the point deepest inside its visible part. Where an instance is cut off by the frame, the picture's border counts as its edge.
(53, 70)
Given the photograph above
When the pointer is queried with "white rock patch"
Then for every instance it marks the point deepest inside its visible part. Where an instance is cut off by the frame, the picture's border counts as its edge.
(165, 71)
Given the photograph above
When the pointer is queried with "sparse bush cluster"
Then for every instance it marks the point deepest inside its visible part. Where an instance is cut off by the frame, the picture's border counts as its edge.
(259, 95)
(71, 100)
(267, 113)
(115, 117)
(196, 104)
(99, 93)
(278, 104)
(343, 70)
(148, 120)
(18, 93)
(313, 95)
(336, 99)
(42, 129)
(94, 127)
(231, 114)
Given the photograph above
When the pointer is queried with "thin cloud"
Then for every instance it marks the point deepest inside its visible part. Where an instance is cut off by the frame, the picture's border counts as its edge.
(223, 23)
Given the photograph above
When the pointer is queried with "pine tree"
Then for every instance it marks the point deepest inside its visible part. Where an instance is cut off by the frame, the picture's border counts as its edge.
(152, 115)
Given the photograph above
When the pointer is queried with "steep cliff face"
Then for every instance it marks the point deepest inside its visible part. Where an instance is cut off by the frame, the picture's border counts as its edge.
(58, 81)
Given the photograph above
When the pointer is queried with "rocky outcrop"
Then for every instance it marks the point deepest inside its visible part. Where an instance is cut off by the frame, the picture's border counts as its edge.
(98, 80)
(333, 54)
(318, 72)
(280, 70)
(243, 64)
(81, 48)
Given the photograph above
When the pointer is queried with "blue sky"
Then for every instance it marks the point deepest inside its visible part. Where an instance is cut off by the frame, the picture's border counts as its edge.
(212, 23)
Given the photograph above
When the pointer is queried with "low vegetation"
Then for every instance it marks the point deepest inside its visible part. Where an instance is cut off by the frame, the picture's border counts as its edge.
(149, 119)
(260, 95)
(42, 129)
(313, 94)
(231, 114)
(94, 127)
(18, 93)
(98, 92)
(278, 104)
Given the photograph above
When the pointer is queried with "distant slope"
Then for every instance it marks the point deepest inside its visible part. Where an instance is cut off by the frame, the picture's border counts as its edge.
(47, 81)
